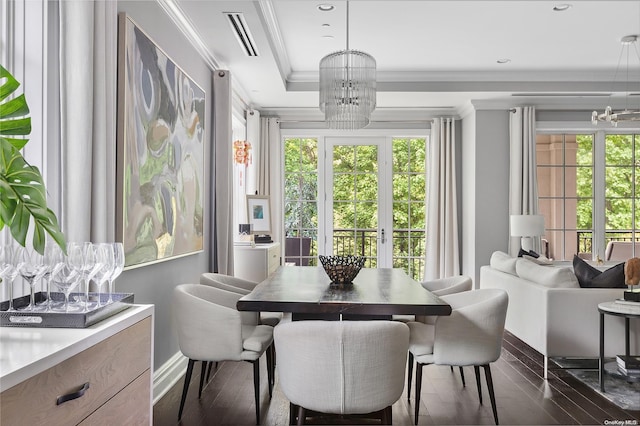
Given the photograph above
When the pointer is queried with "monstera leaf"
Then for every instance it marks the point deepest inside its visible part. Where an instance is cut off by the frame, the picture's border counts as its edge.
(22, 191)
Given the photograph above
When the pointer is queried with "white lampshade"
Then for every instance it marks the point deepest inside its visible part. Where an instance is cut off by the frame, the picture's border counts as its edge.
(527, 225)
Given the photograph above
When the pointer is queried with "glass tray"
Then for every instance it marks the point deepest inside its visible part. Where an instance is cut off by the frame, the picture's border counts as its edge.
(121, 301)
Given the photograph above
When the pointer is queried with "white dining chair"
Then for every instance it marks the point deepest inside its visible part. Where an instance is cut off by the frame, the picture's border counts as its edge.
(470, 336)
(211, 329)
(341, 367)
(439, 287)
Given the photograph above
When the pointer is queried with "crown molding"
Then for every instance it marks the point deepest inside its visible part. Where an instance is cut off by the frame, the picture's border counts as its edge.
(267, 15)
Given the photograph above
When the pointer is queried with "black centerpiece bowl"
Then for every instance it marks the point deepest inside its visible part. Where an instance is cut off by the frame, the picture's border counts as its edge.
(342, 269)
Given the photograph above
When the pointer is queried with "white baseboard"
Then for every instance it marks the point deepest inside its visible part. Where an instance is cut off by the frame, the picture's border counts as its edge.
(168, 375)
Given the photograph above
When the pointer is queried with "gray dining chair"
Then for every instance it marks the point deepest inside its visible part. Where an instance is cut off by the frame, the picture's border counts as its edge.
(470, 336)
(439, 287)
(341, 367)
(211, 329)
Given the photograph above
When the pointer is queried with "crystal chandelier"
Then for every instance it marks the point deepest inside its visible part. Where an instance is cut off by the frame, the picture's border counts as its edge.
(627, 114)
(347, 87)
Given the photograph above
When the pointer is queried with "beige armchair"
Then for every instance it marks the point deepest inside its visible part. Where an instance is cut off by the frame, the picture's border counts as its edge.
(211, 329)
(341, 367)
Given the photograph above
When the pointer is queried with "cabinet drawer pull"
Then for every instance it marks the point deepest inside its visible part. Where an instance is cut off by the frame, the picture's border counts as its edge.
(64, 398)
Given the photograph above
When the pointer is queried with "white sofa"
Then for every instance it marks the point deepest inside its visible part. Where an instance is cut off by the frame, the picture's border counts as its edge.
(551, 313)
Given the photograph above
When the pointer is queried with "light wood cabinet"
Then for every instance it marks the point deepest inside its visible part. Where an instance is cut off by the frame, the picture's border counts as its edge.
(256, 263)
(115, 374)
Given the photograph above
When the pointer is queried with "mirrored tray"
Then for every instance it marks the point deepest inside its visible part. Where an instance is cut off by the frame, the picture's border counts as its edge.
(121, 301)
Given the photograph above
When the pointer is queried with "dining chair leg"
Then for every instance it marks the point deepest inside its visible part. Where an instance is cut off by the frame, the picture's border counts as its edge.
(387, 416)
(301, 415)
(256, 387)
(293, 413)
(185, 389)
(203, 371)
(462, 377)
(476, 368)
(410, 372)
(418, 389)
(492, 396)
(270, 369)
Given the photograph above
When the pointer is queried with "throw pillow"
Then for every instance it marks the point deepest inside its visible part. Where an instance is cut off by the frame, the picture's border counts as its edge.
(503, 262)
(548, 276)
(540, 260)
(590, 277)
(529, 253)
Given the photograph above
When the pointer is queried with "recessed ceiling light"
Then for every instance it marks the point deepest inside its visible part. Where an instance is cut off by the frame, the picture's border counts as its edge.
(503, 61)
(325, 7)
(561, 7)
(328, 37)
(326, 25)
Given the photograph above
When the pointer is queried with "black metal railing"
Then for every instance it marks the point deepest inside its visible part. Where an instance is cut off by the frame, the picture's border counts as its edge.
(584, 239)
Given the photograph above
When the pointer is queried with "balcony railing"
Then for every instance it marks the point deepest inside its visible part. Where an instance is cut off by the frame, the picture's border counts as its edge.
(584, 239)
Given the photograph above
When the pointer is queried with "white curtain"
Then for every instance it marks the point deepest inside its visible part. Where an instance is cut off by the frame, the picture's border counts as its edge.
(523, 183)
(88, 45)
(222, 176)
(268, 171)
(442, 252)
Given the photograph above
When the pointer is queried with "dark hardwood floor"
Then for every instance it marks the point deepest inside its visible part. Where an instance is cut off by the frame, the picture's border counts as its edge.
(523, 397)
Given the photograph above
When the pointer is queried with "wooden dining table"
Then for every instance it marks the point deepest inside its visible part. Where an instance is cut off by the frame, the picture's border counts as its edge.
(375, 292)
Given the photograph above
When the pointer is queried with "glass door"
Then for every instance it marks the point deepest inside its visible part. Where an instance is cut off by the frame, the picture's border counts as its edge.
(357, 211)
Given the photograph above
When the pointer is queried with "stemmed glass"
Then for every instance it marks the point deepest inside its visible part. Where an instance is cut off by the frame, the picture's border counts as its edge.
(118, 266)
(104, 256)
(54, 258)
(31, 267)
(8, 271)
(66, 278)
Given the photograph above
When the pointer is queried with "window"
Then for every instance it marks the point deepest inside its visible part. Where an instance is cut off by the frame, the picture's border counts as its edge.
(587, 191)
(300, 201)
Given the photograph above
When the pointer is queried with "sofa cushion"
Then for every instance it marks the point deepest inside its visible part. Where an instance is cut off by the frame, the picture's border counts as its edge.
(590, 277)
(503, 262)
(548, 276)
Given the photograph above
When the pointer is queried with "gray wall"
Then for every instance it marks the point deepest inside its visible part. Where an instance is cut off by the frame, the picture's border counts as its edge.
(486, 203)
(154, 283)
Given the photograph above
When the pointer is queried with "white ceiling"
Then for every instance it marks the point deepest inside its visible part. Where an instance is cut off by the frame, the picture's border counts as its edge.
(431, 55)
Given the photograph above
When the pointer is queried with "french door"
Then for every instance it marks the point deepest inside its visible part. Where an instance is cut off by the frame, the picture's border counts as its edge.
(358, 211)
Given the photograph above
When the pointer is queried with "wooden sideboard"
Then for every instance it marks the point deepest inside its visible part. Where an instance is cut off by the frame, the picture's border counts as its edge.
(108, 367)
(256, 263)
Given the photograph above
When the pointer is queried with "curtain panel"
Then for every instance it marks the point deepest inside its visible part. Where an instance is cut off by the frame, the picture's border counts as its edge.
(442, 251)
(523, 182)
(268, 172)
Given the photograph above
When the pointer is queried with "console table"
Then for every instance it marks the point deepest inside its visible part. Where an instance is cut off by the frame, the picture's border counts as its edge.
(627, 310)
(255, 263)
(67, 376)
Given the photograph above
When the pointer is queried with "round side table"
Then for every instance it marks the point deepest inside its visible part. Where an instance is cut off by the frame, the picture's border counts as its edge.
(627, 310)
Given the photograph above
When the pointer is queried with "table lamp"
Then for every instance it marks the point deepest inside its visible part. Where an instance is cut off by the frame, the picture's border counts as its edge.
(526, 226)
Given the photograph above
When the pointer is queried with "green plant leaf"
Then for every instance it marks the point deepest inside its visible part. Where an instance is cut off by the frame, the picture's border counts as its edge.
(22, 190)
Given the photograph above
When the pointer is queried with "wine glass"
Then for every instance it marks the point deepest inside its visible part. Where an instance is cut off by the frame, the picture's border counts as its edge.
(8, 271)
(31, 267)
(104, 256)
(118, 266)
(65, 277)
(53, 258)
(76, 260)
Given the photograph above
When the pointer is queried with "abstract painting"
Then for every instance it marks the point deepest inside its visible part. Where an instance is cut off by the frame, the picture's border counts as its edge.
(161, 134)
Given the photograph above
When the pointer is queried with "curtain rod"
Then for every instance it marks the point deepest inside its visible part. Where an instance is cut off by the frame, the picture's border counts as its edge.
(376, 121)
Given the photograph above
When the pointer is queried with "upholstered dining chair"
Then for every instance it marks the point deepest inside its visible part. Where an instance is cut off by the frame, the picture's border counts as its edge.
(240, 286)
(210, 328)
(341, 367)
(470, 336)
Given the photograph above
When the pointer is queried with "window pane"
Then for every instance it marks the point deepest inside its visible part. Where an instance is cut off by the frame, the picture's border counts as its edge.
(584, 150)
(549, 150)
(417, 186)
(417, 217)
(584, 214)
(618, 214)
(343, 215)
(418, 152)
(553, 210)
(618, 181)
(343, 187)
(309, 215)
(367, 158)
(584, 181)
(400, 155)
(366, 187)
(400, 244)
(401, 215)
(400, 187)
(343, 159)
(549, 184)
(618, 149)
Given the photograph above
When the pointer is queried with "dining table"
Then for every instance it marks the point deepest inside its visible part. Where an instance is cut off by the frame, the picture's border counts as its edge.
(307, 292)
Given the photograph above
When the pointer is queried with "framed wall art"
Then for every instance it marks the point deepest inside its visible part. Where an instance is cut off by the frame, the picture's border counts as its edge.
(259, 213)
(161, 130)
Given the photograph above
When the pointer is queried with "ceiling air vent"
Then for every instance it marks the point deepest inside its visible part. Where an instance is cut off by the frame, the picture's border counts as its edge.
(241, 31)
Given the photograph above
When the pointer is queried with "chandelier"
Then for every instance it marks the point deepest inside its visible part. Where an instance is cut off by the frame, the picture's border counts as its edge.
(627, 114)
(347, 87)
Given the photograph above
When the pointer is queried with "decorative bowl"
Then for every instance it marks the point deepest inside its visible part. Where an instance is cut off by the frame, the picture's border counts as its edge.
(342, 269)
